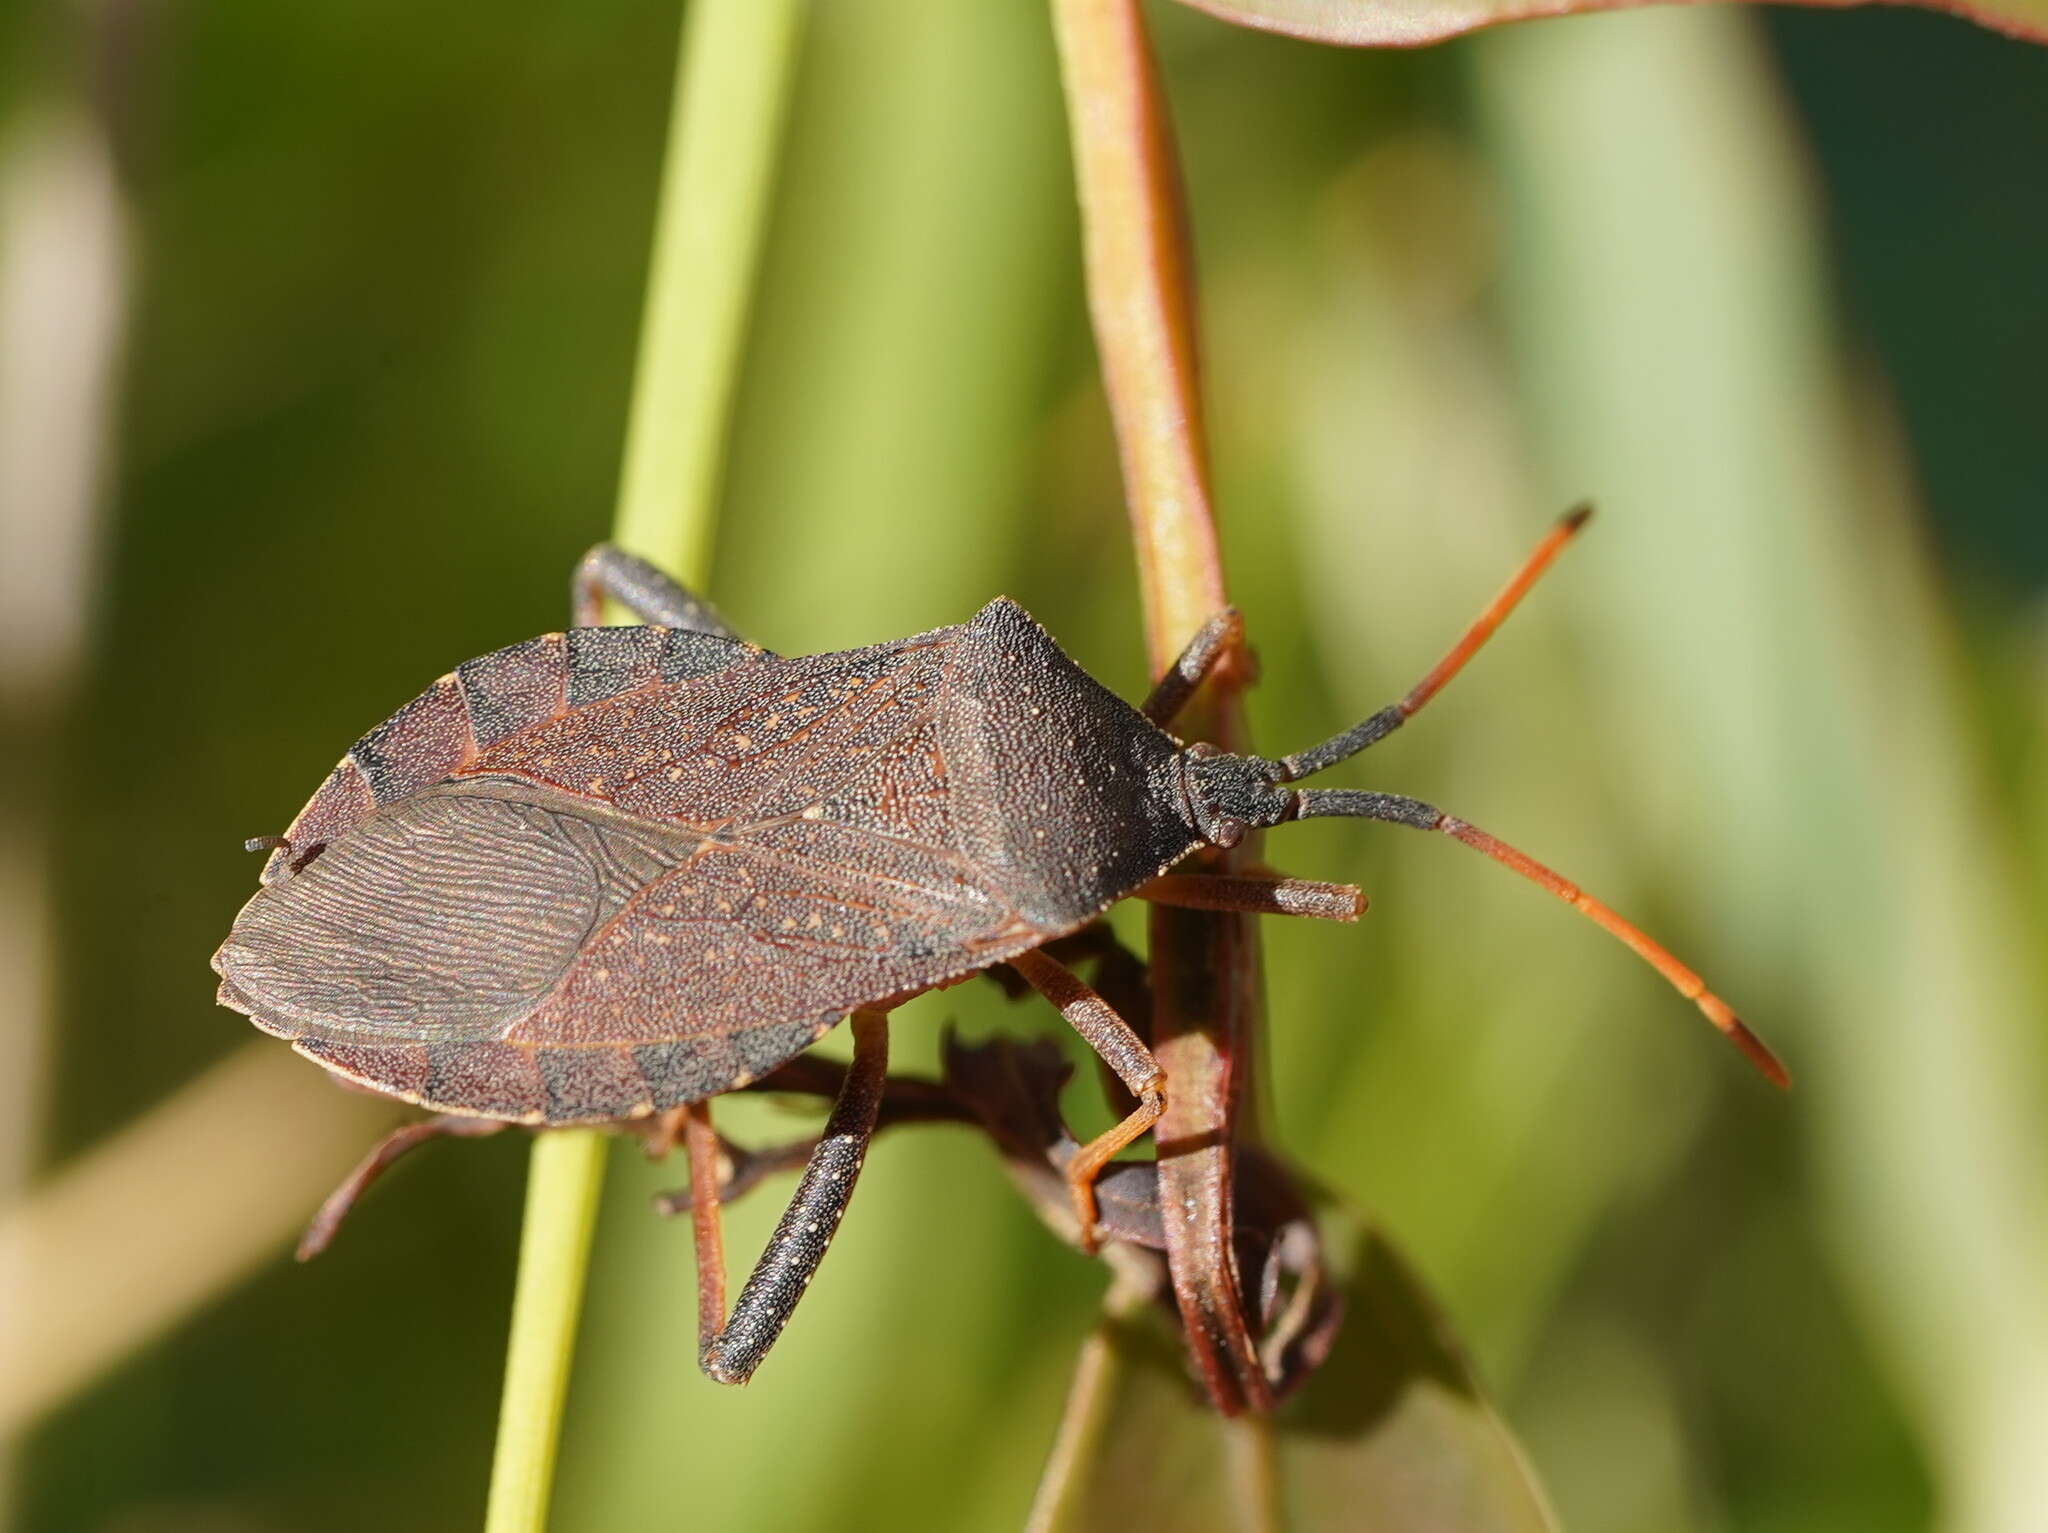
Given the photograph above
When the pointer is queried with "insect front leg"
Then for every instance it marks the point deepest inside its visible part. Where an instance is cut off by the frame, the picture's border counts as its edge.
(1222, 635)
(612, 573)
(1267, 894)
(327, 1221)
(806, 1228)
(1123, 1051)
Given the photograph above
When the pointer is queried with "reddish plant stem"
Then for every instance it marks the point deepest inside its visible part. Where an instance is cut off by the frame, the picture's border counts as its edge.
(1141, 300)
(1204, 963)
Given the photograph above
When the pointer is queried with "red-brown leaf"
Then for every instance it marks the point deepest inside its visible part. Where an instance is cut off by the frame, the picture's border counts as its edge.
(1411, 23)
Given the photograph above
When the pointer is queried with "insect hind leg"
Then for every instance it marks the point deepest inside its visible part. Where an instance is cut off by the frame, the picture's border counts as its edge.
(773, 1289)
(610, 573)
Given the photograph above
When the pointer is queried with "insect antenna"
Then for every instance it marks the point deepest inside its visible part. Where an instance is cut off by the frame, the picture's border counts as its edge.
(1396, 810)
(1392, 717)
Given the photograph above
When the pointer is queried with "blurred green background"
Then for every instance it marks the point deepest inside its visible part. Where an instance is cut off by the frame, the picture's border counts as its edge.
(327, 313)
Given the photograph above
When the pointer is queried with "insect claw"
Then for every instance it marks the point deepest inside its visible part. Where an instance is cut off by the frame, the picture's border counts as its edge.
(1087, 1228)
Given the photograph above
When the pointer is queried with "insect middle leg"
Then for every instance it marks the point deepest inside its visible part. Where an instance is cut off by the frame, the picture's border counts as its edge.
(805, 1230)
(609, 572)
(1122, 1050)
(1117, 974)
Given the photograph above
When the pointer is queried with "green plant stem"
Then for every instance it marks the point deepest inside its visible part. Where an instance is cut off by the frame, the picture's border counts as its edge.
(1091, 1400)
(732, 97)
(562, 1185)
(733, 81)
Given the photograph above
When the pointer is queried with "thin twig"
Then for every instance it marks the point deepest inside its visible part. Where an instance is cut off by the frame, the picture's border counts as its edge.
(732, 91)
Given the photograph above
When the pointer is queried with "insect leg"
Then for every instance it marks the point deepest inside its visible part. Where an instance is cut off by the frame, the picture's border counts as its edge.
(1220, 636)
(1270, 895)
(642, 590)
(905, 1099)
(745, 1170)
(806, 1228)
(707, 1231)
(1119, 976)
(327, 1221)
(1120, 1047)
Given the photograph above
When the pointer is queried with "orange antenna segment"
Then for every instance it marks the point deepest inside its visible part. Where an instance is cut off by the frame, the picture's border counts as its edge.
(1417, 815)
(1539, 560)
(1394, 715)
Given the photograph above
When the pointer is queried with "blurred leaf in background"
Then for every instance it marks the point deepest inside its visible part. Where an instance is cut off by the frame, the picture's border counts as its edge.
(1766, 288)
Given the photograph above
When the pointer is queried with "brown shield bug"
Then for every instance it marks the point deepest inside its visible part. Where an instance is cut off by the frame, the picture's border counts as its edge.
(604, 874)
